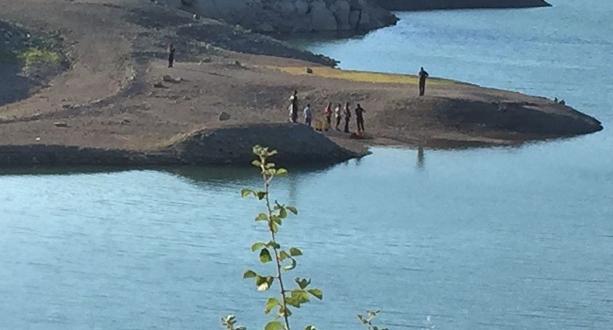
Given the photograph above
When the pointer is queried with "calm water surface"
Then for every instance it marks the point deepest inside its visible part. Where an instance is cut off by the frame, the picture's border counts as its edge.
(497, 238)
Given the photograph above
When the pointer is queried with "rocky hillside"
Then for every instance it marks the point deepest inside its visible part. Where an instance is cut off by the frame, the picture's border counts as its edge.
(289, 16)
(299, 16)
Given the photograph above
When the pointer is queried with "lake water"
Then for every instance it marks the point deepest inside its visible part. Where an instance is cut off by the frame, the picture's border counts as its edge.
(501, 238)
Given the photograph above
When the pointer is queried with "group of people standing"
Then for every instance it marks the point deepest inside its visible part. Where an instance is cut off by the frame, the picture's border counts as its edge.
(339, 112)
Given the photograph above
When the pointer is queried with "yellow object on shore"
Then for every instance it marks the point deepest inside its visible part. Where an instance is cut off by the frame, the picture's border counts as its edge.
(359, 76)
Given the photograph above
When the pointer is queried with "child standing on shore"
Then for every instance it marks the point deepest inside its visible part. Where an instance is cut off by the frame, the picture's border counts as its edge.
(347, 113)
(308, 115)
(328, 115)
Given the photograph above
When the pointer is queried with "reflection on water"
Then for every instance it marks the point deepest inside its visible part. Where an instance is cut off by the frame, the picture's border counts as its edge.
(493, 241)
(502, 238)
(421, 159)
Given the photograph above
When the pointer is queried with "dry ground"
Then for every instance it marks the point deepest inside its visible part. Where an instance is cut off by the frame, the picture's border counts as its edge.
(108, 99)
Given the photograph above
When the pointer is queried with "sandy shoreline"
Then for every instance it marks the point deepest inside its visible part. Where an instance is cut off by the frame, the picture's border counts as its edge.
(114, 106)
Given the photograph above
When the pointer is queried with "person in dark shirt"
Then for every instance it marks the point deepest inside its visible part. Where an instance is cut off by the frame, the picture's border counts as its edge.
(171, 55)
(328, 115)
(359, 117)
(423, 75)
(347, 114)
(308, 115)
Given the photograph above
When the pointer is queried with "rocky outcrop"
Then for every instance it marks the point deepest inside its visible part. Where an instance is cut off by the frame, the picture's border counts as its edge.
(288, 16)
(296, 143)
(458, 4)
(510, 120)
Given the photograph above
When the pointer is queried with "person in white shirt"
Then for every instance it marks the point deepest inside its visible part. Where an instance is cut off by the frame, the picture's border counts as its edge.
(293, 107)
(338, 116)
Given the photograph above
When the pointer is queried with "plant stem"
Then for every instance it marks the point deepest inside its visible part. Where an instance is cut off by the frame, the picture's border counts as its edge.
(277, 261)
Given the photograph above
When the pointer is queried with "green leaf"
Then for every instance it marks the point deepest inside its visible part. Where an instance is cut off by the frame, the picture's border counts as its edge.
(281, 172)
(262, 217)
(260, 195)
(270, 304)
(297, 298)
(246, 192)
(273, 244)
(228, 320)
(274, 227)
(291, 265)
(282, 212)
(310, 327)
(249, 274)
(294, 252)
(265, 256)
(263, 283)
(256, 163)
(275, 219)
(316, 293)
(284, 311)
(283, 255)
(292, 209)
(302, 282)
(274, 325)
(257, 246)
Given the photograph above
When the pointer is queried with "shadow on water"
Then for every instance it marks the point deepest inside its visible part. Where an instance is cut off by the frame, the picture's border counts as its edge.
(193, 174)
(421, 158)
(198, 174)
(63, 170)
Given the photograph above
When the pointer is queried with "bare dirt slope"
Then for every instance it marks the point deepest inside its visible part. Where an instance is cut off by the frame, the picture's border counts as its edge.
(114, 95)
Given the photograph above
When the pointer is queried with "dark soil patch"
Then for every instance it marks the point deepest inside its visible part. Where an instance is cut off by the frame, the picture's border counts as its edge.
(20, 72)
(241, 40)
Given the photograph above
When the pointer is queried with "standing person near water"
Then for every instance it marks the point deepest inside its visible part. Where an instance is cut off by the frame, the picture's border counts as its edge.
(328, 115)
(293, 107)
(347, 114)
(171, 55)
(308, 115)
(359, 117)
(423, 75)
(338, 116)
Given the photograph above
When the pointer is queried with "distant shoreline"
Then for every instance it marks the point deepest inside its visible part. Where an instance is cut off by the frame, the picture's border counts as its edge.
(340, 16)
(423, 5)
